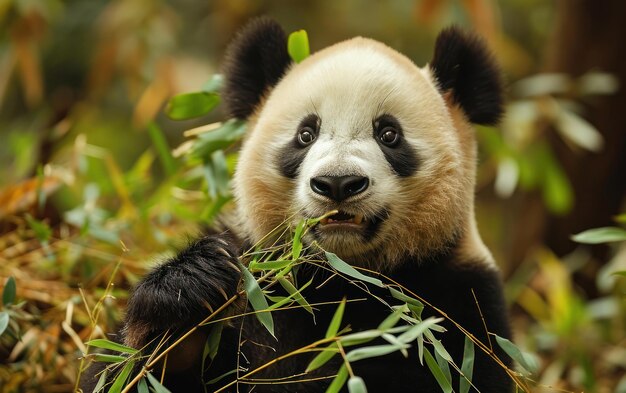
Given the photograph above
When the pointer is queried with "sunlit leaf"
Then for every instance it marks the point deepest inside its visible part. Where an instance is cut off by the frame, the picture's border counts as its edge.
(298, 45)
(190, 105)
(437, 373)
(356, 385)
(514, 352)
(335, 323)
(600, 235)
(467, 367)
(506, 177)
(4, 321)
(219, 138)
(9, 291)
(598, 83)
(158, 388)
(113, 346)
(542, 84)
(214, 85)
(323, 357)
(344, 268)
(339, 381)
(257, 300)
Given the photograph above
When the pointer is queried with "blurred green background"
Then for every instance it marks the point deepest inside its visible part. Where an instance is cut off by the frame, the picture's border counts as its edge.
(91, 194)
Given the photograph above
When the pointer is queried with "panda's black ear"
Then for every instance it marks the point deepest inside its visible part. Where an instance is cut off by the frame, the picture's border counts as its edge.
(256, 59)
(464, 66)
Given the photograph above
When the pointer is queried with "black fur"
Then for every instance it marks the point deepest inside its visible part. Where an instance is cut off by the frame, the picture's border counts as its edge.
(255, 61)
(401, 157)
(292, 154)
(463, 65)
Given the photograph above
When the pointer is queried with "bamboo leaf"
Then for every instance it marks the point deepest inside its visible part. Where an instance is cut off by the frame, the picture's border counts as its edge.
(467, 367)
(600, 235)
(213, 342)
(418, 330)
(356, 385)
(438, 346)
(108, 358)
(120, 379)
(214, 85)
(257, 300)
(437, 373)
(298, 45)
(163, 150)
(323, 357)
(333, 327)
(296, 293)
(339, 381)
(190, 105)
(514, 352)
(142, 386)
(374, 351)
(360, 337)
(444, 366)
(4, 321)
(113, 346)
(297, 240)
(346, 269)
(393, 318)
(269, 265)
(101, 381)
(9, 292)
(158, 388)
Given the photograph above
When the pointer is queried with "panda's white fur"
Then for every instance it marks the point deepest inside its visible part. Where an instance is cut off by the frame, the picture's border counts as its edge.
(347, 85)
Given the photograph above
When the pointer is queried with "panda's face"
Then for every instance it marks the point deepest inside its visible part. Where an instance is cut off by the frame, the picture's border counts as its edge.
(359, 129)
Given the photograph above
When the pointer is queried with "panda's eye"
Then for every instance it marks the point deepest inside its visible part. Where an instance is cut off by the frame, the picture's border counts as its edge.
(389, 136)
(306, 136)
(307, 130)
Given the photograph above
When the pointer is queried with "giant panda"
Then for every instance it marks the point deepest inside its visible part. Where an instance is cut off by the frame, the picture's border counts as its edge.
(357, 128)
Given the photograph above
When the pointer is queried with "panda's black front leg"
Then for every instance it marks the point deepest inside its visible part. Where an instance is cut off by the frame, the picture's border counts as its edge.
(175, 297)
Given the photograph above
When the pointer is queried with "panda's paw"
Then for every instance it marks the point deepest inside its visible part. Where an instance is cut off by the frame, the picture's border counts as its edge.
(182, 291)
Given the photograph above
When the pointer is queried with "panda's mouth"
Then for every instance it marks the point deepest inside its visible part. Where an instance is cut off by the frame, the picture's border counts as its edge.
(343, 219)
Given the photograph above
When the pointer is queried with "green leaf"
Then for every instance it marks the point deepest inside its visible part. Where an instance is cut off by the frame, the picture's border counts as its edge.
(557, 190)
(108, 358)
(356, 385)
(213, 341)
(158, 388)
(107, 344)
(4, 321)
(296, 293)
(142, 386)
(8, 294)
(444, 366)
(393, 318)
(600, 235)
(190, 105)
(467, 367)
(344, 268)
(220, 171)
(437, 373)
(418, 330)
(339, 381)
(438, 346)
(41, 229)
(333, 327)
(269, 265)
(214, 85)
(160, 144)
(360, 337)
(257, 300)
(373, 351)
(402, 297)
(323, 357)
(101, 381)
(120, 379)
(219, 378)
(297, 240)
(220, 138)
(298, 45)
(514, 352)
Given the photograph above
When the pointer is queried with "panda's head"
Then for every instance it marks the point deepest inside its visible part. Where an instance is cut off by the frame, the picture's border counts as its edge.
(358, 128)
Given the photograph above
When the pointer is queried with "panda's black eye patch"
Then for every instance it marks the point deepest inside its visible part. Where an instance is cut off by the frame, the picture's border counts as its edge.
(308, 130)
(398, 152)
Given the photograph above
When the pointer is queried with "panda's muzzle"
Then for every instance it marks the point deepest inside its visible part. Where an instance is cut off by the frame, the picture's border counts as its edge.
(339, 188)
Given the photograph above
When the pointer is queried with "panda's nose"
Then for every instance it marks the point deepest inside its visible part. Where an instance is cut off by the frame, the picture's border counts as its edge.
(339, 188)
